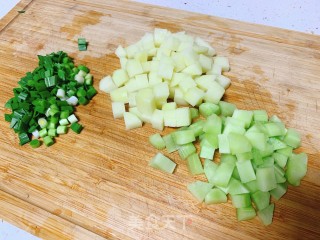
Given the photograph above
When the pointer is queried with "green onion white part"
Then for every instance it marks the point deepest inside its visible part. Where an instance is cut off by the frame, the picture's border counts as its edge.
(72, 118)
(35, 134)
(73, 100)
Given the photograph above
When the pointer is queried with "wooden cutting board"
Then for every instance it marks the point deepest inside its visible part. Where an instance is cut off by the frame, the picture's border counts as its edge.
(97, 184)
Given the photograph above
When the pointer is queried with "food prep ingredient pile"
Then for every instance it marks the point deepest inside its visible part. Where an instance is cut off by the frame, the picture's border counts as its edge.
(44, 103)
(176, 80)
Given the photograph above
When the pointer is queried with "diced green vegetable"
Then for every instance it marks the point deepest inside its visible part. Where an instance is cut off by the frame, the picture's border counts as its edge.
(161, 162)
(238, 143)
(246, 213)
(279, 191)
(266, 179)
(200, 189)
(186, 150)
(236, 187)
(241, 200)
(194, 164)
(261, 199)
(223, 174)
(296, 168)
(266, 214)
(215, 195)
(194, 112)
(157, 141)
(210, 170)
(292, 138)
(207, 109)
(226, 108)
(183, 137)
(246, 171)
(171, 146)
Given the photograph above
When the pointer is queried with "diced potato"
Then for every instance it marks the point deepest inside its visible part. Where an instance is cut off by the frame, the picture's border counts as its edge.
(205, 81)
(194, 96)
(154, 78)
(205, 62)
(121, 52)
(184, 117)
(187, 83)
(107, 85)
(223, 62)
(133, 67)
(145, 101)
(214, 93)
(193, 70)
(157, 120)
(119, 95)
(131, 121)
(120, 77)
(179, 97)
(118, 109)
(223, 81)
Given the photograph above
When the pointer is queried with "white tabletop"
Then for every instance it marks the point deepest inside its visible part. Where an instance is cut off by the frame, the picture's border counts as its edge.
(299, 15)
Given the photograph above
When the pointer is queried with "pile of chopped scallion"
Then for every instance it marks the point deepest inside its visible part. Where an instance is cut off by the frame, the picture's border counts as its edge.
(44, 103)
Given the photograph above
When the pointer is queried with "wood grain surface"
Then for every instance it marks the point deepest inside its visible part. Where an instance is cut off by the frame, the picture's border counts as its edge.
(98, 184)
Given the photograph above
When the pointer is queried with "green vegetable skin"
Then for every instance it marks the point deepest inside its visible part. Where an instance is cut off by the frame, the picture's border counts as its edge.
(45, 98)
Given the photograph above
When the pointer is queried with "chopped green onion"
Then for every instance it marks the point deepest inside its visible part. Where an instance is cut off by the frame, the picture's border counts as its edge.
(76, 127)
(51, 125)
(82, 44)
(52, 132)
(42, 122)
(64, 114)
(24, 138)
(82, 67)
(63, 122)
(83, 101)
(48, 141)
(62, 130)
(43, 132)
(35, 143)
